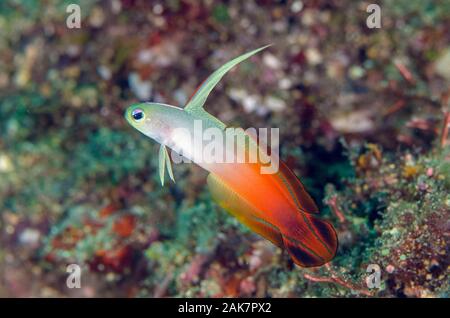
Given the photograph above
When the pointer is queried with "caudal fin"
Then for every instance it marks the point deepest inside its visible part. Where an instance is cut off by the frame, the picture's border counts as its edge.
(313, 248)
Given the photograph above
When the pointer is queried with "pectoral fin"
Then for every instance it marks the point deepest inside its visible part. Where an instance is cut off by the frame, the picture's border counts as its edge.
(169, 165)
(236, 205)
(163, 159)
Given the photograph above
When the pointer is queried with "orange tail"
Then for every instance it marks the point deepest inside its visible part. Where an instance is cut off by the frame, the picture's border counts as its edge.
(309, 240)
(313, 248)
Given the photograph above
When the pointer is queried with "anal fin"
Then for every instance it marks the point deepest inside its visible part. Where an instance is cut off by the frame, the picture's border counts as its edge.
(233, 203)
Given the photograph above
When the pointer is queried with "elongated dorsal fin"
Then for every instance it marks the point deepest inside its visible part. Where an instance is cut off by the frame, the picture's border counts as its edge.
(195, 104)
(163, 159)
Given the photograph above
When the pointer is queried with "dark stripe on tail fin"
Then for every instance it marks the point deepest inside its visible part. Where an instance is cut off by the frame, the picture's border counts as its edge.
(311, 249)
(301, 255)
(326, 231)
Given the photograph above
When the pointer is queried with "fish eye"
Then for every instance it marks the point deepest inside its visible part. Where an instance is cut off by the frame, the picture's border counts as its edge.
(138, 114)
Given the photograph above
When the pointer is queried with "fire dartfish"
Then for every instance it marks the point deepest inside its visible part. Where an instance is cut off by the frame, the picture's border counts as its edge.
(275, 206)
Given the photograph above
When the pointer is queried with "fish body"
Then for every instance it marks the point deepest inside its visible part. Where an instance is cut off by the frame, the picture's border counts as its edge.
(276, 206)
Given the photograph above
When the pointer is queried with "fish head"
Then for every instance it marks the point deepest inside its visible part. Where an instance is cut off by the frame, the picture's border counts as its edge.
(139, 115)
(157, 121)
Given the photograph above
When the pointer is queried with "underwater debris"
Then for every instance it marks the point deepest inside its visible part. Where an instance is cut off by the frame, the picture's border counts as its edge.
(333, 278)
(445, 128)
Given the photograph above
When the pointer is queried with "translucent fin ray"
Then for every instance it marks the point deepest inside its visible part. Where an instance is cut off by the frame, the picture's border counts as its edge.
(164, 161)
(197, 101)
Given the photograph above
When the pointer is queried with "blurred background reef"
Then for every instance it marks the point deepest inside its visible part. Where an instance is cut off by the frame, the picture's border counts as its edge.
(361, 113)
